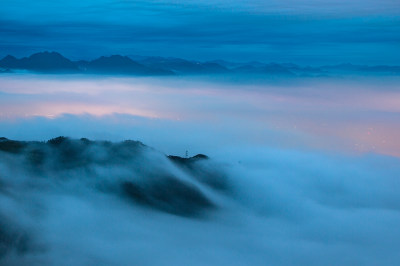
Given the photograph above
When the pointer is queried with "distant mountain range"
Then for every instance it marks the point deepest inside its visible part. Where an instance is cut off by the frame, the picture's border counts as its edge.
(53, 62)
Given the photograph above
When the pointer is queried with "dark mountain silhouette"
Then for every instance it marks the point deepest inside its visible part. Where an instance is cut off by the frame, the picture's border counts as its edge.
(342, 67)
(213, 68)
(382, 69)
(274, 69)
(158, 187)
(9, 62)
(117, 64)
(181, 66)
(304, 71)
(53, 62)
(41, 62)
(350, 68)
(226, 64)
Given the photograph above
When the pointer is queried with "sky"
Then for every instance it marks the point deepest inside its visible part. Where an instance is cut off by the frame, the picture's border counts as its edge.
(306, 32)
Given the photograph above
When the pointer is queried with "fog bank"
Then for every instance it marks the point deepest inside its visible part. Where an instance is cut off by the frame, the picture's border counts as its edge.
(300, 172)
(249, 206)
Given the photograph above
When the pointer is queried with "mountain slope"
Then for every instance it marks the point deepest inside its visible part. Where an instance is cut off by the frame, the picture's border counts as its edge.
(41, 62)
(53, 62)
(117, 64)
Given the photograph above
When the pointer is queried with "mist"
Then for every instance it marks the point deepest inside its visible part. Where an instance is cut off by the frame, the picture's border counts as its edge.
(271, 206)
(201, 114)
(299, 172)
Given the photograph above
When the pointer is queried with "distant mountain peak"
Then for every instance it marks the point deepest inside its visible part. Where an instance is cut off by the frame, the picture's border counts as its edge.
(9, 57)
(8, 62)
(42, 62)
(48, 55)
(114, 58)
(117, 64)
(54, 62)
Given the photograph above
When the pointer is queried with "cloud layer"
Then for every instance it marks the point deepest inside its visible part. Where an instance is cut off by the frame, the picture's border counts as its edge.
(335, 114)
(281, 207)
(296, 189)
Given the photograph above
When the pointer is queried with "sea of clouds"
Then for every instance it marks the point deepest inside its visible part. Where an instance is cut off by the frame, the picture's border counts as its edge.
(288, 199)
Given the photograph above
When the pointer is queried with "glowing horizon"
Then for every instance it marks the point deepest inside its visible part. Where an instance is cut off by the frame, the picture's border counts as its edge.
(338, 116)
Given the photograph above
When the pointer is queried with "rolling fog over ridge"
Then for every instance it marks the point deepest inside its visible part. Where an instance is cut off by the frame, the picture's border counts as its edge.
(270, 204)
(298, 172)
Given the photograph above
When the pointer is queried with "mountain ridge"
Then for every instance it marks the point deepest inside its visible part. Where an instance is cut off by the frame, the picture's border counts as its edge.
(54, 62)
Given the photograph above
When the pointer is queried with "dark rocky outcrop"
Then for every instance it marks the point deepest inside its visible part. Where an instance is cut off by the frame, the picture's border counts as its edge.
(211, 176)
(151, 180)
(12, 239)
(169, 194)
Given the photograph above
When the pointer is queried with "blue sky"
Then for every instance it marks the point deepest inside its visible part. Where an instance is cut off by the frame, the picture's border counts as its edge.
(306, 32)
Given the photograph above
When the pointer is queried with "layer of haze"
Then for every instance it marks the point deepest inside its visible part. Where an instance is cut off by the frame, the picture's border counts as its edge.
(204, 115)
